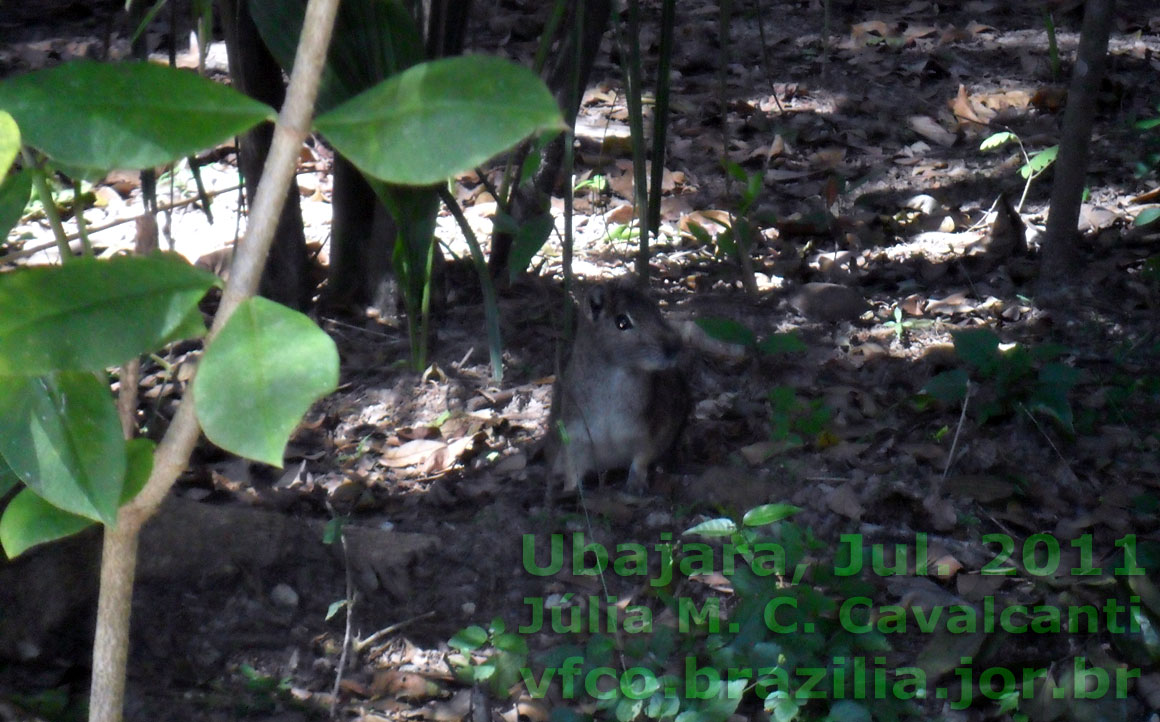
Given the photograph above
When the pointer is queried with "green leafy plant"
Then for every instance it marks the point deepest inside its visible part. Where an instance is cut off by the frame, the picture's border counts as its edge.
(1014, 377)
(454, 113)
(1034, 164)
(736, 237)
(60, 328)
(796, 420)
(597, 183)
(492, 656)
(900, 325)
(715, 655)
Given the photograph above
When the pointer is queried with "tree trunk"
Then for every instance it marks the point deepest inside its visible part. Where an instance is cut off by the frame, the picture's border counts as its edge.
(362, 231)
(1060, 256)
(255, 72)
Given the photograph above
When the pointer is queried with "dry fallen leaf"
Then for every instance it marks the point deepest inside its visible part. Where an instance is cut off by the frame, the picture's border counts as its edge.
(844, 501)
(412, 453)
(929, 129)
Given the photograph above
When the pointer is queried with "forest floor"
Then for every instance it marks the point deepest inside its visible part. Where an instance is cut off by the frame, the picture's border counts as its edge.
(862, 160)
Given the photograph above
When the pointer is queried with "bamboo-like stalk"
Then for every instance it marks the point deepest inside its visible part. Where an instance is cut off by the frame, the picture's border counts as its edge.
(661, 115)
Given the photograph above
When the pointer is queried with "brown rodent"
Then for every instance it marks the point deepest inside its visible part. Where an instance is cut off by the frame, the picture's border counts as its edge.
(622, 400)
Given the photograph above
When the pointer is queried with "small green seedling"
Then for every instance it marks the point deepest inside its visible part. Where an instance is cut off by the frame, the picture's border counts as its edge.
(900, 326)
(501, 654)
(1034, 164)
(596, 183)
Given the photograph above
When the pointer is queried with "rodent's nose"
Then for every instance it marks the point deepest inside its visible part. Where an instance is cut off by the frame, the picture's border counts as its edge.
(671, 347)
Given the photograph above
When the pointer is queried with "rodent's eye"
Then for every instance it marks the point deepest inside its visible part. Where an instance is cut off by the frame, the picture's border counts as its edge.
(623, 322)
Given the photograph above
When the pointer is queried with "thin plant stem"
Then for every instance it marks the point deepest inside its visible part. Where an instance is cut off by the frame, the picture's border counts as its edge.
(79, 214)
(490, 306)
(40, 183)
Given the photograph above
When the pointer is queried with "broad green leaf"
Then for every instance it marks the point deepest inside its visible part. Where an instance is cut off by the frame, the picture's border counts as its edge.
(29, 520)
(373, 40)
(9, 142)
(90, 314)
(61, 435)
(713, 528)
(628, 709)
(978, 348)
(1051, 390)
(8, 477)
(125, 115)
(1145, 217)
(780, 343)
(139, 465)
(848, 711)
(782, 706)
(1038, 162)
(768, 514)
(530, 238)
(996, 139)
(259, 376)
(948, 387)
(440, 118)
(469, 639)
(513, 643)
(14, 194)
(727, 330)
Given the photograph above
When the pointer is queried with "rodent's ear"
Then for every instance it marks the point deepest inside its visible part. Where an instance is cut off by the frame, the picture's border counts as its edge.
(597, 299)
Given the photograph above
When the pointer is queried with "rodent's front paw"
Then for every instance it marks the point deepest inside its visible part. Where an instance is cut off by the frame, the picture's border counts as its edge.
(637, 479)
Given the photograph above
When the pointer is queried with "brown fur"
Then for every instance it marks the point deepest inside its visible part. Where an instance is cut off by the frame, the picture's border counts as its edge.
(622, 400)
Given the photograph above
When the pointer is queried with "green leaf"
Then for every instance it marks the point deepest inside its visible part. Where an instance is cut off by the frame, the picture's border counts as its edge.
(8, 477)
(373, 39)
(1038, 162)
(782, 707)
(90, 314)
(332, 531)
(713, 528)
(1143, 218)
(949, 387)
(727, 330)
(698, 232)
(138, 467)
(996, 140)
(768, 514)
(30, 520)
(440, 118)
(781, 343)
(848, 711)
(529, 239)
(1050, 395)
(512, 643)
(334, 608)
(9, 142)
(979, 349)
(469, 639)
(259, 376)
(125, 115)
(61, 435)
(14, 194)
(628, 709)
